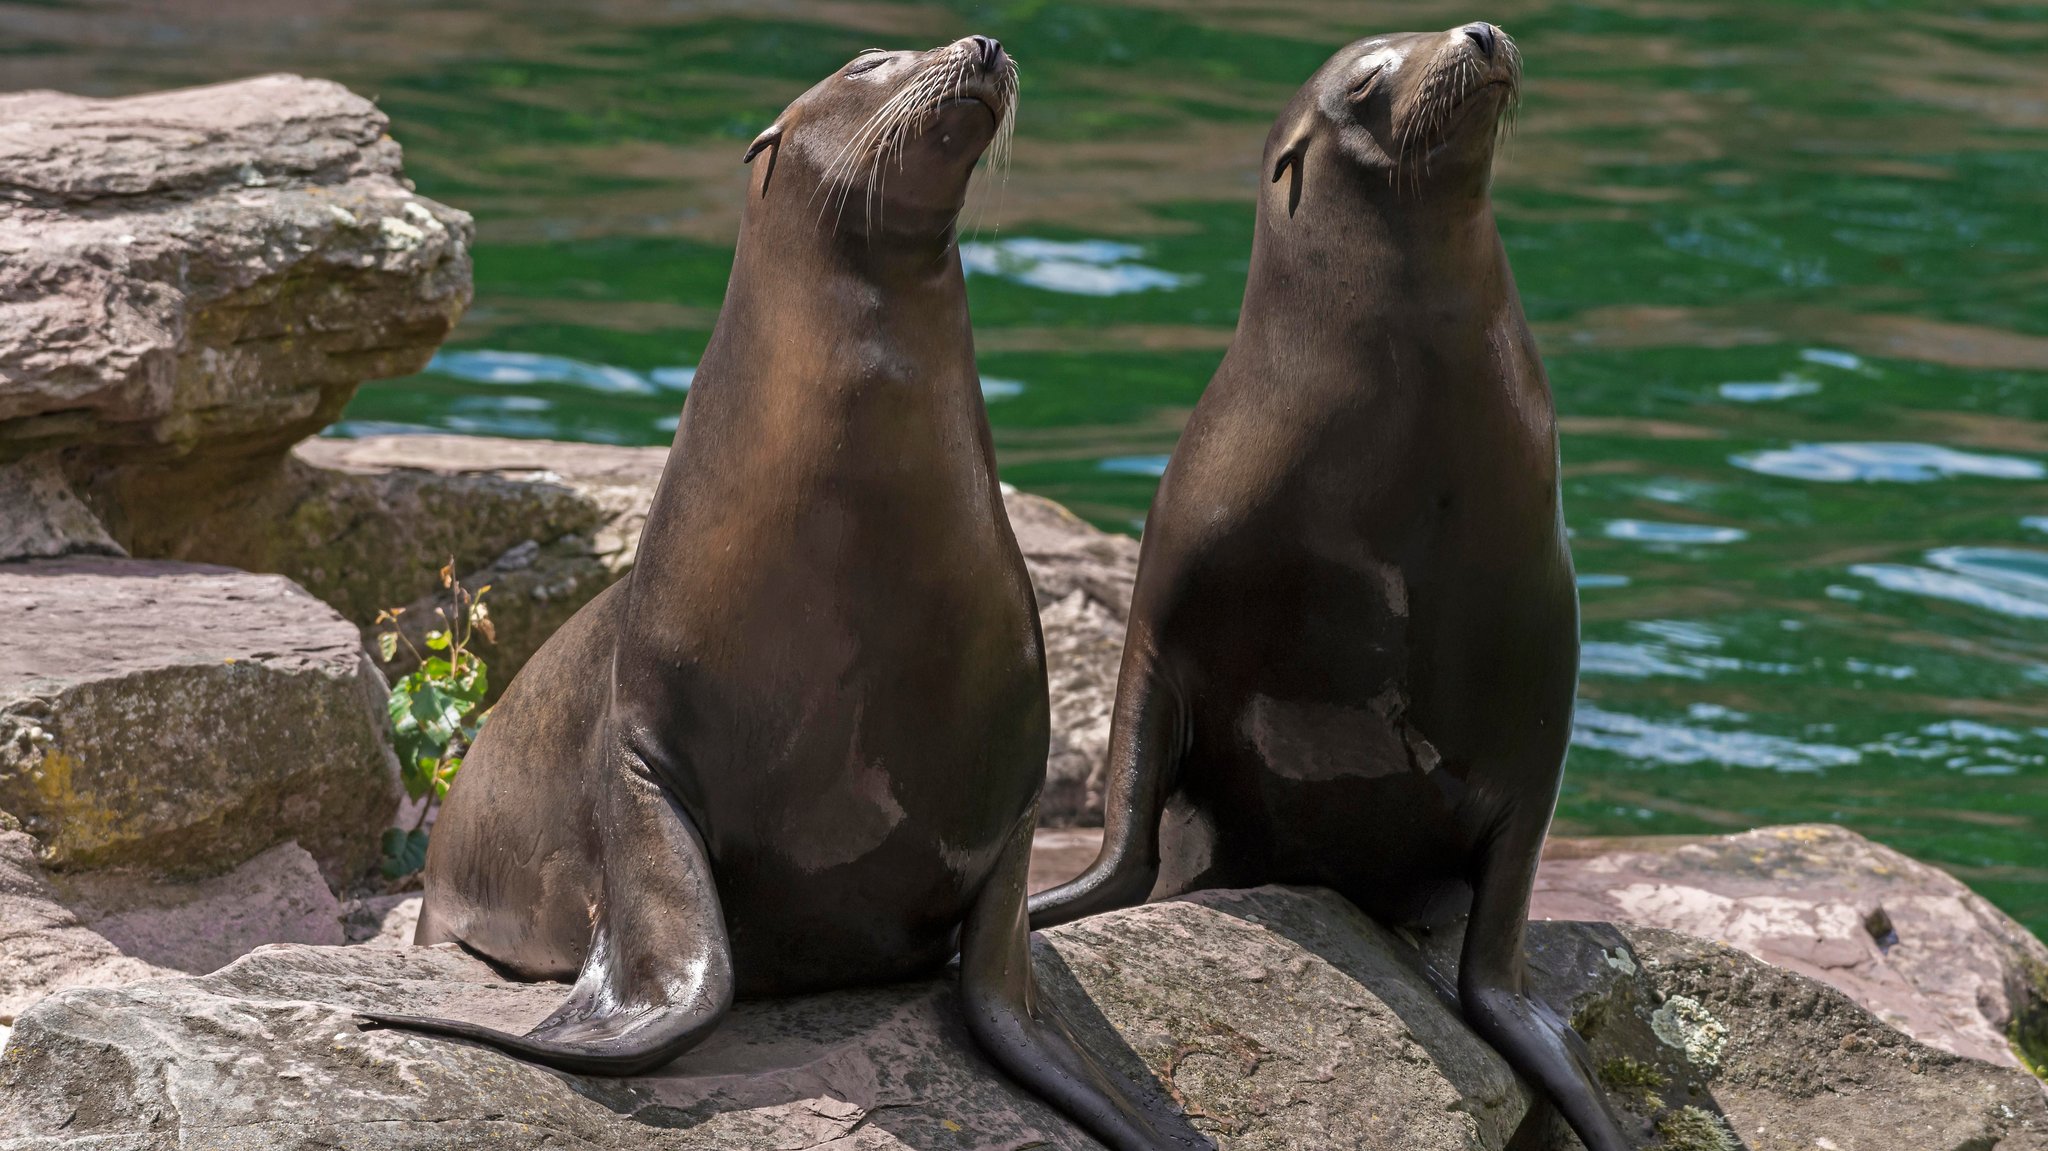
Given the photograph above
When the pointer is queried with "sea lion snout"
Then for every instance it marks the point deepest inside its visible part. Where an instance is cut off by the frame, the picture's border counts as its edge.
(1485, 35)
(988, 50)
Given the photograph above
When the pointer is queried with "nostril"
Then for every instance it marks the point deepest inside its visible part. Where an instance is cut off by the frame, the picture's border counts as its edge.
(1482, 35)
(989, 48)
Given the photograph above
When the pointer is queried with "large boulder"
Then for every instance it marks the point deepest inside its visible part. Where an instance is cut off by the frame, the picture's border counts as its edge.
(1907, 941)
(1279, 1018)
(192, 281)
(184, 718)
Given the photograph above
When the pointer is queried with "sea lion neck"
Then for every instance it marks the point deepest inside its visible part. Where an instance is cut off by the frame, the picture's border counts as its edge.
(824, 319)
(1390, 252)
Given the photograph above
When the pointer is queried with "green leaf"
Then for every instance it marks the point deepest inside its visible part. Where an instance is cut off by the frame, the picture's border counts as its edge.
(387, 645)
(437, 640)
(404, 852)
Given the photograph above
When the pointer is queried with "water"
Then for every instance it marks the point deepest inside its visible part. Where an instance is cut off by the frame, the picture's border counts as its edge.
(1785, 261)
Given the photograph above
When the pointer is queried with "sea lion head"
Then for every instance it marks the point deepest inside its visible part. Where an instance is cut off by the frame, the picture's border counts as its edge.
(889, 141)
(1416, 113)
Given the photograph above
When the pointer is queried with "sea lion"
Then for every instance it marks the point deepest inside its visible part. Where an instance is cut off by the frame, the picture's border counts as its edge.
(1353, 646)
(800, 746)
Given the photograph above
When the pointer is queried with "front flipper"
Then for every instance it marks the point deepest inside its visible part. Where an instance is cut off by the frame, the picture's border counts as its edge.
(658, 976)
(1147, 736)
(1026, 1038)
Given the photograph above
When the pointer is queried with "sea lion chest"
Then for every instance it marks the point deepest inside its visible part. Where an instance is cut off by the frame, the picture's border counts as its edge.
(858, 720)
(1355, 611)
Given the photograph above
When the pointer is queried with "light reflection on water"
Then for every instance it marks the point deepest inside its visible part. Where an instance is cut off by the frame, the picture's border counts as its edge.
(1884, 463)
(1794, 319)
(1078, 268)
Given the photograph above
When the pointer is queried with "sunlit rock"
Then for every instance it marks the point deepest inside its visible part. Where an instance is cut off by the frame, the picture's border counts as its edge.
(184, 718)
(1279, 1018)
(192, 281)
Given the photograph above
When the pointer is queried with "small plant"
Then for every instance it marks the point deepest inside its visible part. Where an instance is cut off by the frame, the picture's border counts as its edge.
(431, 708)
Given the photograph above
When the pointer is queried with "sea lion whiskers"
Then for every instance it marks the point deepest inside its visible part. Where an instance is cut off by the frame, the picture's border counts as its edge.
(1452, 78)
(864, 157)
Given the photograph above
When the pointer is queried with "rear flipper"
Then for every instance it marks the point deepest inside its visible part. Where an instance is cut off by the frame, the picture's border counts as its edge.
(658, 976)
(1026, 1038)
(1536, 1042)
(1147, 736)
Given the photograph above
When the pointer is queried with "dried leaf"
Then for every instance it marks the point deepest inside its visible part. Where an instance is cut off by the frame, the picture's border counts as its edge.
(448, 573)
(387, 645)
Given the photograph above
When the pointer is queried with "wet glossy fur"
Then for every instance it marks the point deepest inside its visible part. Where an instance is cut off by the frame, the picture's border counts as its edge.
(800, 746)
(1353, 647)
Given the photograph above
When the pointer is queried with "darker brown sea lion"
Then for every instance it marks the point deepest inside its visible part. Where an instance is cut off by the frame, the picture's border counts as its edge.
(800, 746)
(1353, 648)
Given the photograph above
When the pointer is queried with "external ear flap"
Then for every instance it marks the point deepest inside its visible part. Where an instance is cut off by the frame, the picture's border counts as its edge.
(1290, 161)
(771, 141)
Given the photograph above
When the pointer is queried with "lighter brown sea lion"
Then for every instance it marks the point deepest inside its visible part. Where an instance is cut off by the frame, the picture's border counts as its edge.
(800, 746)
(1353, 647)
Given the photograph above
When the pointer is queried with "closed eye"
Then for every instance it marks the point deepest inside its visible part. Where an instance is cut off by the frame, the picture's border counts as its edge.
(869, 60)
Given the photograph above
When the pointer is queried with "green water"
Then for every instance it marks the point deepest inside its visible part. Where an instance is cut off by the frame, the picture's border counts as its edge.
(1785, 261)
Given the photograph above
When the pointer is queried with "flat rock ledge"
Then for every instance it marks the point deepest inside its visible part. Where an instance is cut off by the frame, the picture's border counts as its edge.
(1280, 1018)
(185, 718)
(191, 282)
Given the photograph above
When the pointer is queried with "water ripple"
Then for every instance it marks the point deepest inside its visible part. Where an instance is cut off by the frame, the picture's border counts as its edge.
(483, 366)
(1902, 463)
(2009, 581)
(1764, 392)
(1136, 465)
(1071, 267)
(1660, 532)
(1677, 743)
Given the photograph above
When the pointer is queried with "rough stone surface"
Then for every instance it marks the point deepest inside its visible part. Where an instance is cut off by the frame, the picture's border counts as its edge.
(1279, 1018)
(1705, 1049)
(1956, 973)
(104, 929)
(184, 718)
(192, 281)
(1083, 577)
(42, 518)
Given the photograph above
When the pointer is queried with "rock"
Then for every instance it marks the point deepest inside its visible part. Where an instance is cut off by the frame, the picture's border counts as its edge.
(42, 518)
(1706, 1049)
(1084, 645)
(1061, 853)
(1280, 1018)
(103, 929)
(1906, 940)
(1083, 577)
(192, 281)
(382, 920)
(269, 1057)
(44, 946)
(1068, 554)
(184, 718)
